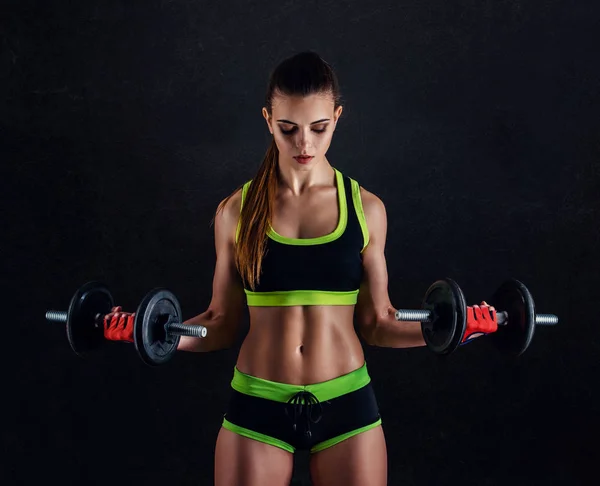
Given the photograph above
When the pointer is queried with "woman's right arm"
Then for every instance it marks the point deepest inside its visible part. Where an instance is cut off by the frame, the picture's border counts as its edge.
(223, 316)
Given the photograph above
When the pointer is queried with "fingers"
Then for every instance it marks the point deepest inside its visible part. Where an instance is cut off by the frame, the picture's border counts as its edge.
(116, 324)
(111, 323)
(120, 328)
(485, 311)
(478, 313)
(483, 316)
(488, 314)
(489, 311)
(483, 302)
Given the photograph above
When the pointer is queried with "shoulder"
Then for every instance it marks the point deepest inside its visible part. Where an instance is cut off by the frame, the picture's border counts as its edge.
(231, 205)
(370, 203)
(373, 206)
(375, 216)
(228, 212)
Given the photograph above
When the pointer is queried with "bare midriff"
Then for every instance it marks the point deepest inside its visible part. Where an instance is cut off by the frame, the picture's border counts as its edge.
(300, 345)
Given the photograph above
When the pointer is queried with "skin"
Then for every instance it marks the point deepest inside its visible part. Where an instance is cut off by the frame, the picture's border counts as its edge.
(302, 344)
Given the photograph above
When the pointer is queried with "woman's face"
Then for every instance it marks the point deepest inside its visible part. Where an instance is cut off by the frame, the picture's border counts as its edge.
(302, 126)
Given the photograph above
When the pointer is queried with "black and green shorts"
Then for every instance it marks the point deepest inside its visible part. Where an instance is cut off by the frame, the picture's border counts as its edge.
(302, 417)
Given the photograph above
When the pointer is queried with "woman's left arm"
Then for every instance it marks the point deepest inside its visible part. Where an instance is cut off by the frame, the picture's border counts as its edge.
(375, 314)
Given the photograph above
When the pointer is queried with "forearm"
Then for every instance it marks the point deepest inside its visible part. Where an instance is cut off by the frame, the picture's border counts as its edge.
(218, 335)
(390, 333)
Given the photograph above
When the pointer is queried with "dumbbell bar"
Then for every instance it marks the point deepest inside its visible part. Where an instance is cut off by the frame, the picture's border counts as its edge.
(157, 326)
(444, 311)
(502, 317)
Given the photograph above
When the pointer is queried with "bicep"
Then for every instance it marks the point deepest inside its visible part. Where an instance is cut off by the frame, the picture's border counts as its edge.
(227, 291)
(373, 298)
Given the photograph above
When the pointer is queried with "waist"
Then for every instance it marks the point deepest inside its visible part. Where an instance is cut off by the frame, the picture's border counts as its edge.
(300, 344)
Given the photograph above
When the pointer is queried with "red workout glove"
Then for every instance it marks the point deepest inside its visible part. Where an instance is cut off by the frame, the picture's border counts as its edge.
(481, 320)
(118, 325)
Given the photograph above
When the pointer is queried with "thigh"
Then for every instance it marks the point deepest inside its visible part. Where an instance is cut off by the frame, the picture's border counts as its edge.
(240, 461)
(359, 460)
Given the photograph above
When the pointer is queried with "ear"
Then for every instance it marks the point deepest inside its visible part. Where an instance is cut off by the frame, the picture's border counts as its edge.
(338, 113)
(266, 116)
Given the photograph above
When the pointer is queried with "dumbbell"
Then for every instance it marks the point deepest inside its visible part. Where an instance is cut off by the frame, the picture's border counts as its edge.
(443, 317)
(157, 326)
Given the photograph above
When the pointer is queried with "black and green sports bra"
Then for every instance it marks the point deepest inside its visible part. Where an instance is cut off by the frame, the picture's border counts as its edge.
(315, 271)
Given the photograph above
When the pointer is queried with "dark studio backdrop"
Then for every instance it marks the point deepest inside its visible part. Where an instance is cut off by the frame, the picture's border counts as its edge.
(122, 126)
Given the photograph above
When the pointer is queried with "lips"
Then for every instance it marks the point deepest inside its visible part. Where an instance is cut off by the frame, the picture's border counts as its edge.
(304, 158)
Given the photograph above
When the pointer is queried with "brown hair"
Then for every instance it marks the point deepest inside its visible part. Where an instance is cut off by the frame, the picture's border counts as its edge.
(304, 74)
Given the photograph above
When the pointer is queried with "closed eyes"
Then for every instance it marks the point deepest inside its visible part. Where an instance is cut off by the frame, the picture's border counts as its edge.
(289, 132)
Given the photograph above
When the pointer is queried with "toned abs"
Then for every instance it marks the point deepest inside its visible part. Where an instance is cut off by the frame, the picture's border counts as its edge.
(300, 345)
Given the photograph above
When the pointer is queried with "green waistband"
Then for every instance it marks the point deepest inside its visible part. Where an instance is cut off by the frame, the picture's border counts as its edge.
(300, 297)
(282, 392)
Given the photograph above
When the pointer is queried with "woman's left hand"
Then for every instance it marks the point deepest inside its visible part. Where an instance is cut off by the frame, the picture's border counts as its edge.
(481, 320)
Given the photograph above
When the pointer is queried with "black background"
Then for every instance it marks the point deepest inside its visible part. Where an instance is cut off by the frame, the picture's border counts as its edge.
(123, 124)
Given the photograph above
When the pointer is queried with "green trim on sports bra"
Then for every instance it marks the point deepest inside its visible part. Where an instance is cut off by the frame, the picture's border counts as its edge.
(239, 224)
(319, 240)
(337, 232)
(360, 212)
(300, 297)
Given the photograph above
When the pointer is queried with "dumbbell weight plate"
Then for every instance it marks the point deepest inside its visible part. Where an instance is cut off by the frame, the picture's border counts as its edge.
(83, 332)
(514, 298)
(151, 341)
(446, 301)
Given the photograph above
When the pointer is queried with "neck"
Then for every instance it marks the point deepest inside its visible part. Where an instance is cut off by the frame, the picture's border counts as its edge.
(299, 180)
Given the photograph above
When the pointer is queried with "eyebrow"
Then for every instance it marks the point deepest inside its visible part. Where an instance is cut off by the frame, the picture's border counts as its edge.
(313, 123)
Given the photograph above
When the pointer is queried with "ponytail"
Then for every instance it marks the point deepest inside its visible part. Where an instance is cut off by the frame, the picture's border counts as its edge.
(255, 218)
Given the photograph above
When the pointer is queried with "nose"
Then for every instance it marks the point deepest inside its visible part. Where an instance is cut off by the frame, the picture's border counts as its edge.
(303, 140)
